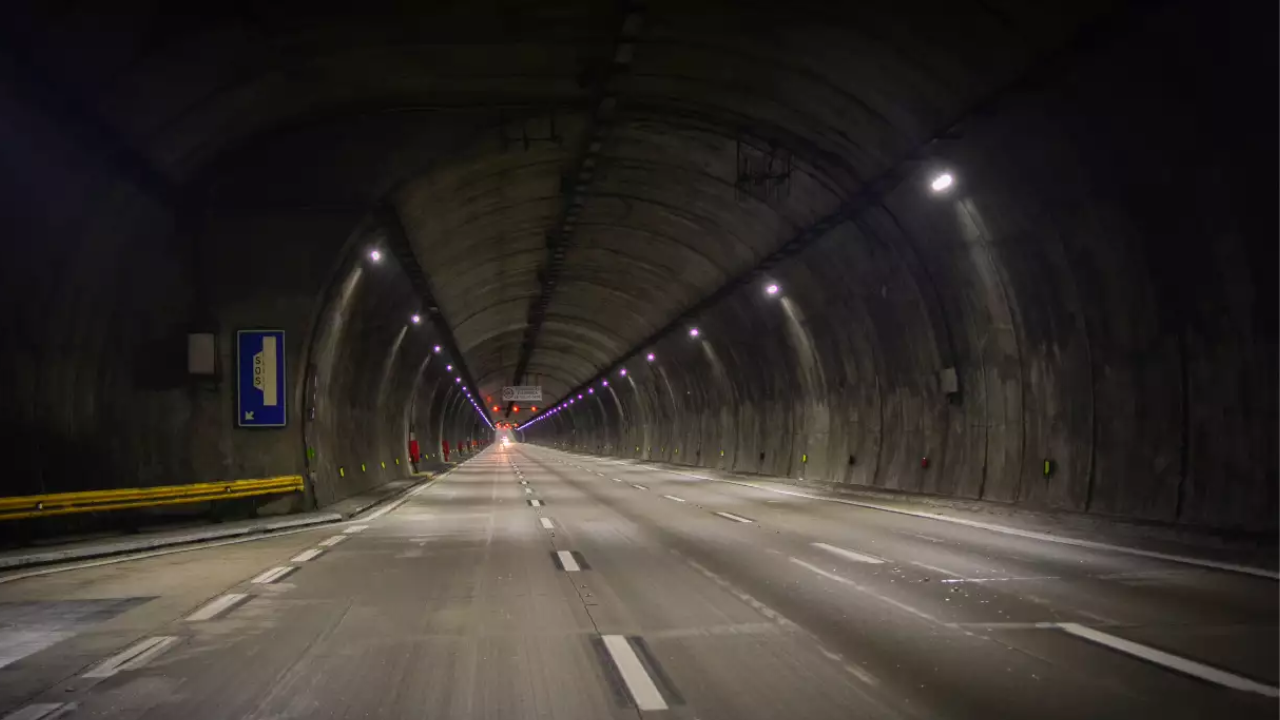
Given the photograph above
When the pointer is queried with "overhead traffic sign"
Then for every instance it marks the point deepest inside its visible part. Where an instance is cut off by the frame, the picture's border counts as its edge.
(260, 378)
(522, 393)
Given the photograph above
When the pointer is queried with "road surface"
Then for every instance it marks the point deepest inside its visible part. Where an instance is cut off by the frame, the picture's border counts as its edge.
(532, 583)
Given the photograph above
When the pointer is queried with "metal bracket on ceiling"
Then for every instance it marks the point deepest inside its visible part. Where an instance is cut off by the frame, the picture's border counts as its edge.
(575, 185)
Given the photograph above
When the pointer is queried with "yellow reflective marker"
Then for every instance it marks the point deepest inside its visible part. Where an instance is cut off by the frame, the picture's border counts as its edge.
(363, 468)
(677, 451)
(804, 458)
(397, 461)
(384, 464)
(342, 472)
(721, 453)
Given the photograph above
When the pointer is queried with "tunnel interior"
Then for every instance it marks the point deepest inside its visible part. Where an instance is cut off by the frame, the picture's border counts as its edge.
(979, 250)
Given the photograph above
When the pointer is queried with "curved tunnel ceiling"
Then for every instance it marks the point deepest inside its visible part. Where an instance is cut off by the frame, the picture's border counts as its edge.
(730, 131)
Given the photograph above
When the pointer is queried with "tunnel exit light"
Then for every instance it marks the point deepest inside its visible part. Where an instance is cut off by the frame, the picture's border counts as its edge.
(772, 289)
(942, 182)
(416, 319)
(375, 255)
(694, 332)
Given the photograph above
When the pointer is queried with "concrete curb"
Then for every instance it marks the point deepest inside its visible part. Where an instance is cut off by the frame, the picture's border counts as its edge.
(50, 557)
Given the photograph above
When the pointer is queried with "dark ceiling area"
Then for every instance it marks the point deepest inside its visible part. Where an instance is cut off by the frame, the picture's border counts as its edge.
(565, 186)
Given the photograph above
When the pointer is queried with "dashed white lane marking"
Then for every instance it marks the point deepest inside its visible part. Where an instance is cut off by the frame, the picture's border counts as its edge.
(735, 518)
(524, 482)
(639, 487)
(330, 542)
(1173, 662)
(272, 575)
(1018, 532)
(848, 554)
(846, 581)
(940, 571)
(41, 711)
(1001, 579)
(528, 491)
(132, 657)
(639, 684)
(617, 479)
(535, 503)
(673, 497)
(546, 523)
(216, 607)
(356, 529)
(567, 561)
(305, 555)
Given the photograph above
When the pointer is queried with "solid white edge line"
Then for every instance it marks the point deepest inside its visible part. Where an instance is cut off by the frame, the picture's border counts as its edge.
(673, 497)
(848, 554)
(356, 529)
(1173, 662)
(639, 684)
(546, 523)
(330, 542)
(567, 561)
(308, 554)
(132, 657)
(216, 607)
(731, 516)
(1030, 534)
(40, 711)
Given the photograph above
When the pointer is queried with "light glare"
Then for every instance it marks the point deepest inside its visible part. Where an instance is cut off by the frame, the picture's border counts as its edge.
(693, 332)
(942, 182)
(375, 255)
(772, 289)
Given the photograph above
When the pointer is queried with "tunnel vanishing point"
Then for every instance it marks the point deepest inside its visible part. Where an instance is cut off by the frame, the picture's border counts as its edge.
(1013, 252)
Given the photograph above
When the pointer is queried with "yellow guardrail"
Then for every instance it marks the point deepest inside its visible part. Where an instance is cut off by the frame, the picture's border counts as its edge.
(34, 506)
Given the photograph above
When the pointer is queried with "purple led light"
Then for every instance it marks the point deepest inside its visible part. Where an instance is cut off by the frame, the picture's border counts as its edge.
(605, 383)
(623, 372)
(457, 380)
(649, 358)
(436, 349)
(693, 332)
(590, 391)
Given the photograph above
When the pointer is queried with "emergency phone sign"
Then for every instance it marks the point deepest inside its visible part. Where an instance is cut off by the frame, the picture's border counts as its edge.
(260, 378)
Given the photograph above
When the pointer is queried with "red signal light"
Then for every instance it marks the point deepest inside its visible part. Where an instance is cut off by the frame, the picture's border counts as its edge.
(516, 408)
(495, 408)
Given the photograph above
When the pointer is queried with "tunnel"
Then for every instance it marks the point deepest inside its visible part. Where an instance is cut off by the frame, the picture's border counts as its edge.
(998, 275)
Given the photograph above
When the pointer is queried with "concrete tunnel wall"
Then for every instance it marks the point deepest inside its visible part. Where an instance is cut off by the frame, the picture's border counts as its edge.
(101, 290)
(1102, 289)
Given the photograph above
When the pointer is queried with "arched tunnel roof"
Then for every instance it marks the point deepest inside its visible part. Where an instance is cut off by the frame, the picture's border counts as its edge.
(590, 169)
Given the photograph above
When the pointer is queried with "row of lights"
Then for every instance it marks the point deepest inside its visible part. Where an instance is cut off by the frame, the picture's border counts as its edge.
(375, 255)
(940, 183)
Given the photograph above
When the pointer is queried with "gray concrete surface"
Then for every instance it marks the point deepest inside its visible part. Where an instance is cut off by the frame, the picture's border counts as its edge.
(1106, 302)
(457, 603)
(155, 539)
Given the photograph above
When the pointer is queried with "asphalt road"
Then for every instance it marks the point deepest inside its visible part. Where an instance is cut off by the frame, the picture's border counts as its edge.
(530, 583)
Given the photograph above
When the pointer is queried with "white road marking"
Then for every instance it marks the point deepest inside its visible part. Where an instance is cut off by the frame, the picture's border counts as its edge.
(731, 516)
(1000, 579)
(639, 684)
(546, 523)
(1018, 532)
(673, 497)
(528, 491)
(848, 554)
(305, 555)
(272, 575)
(1171, 661)
(567, 561)
(616, 480)
(535, 503)
(132, 657)
(524, 482)
(639, 487)
(330, 542)
(41, 711)
(940, 571)
(216, 607)
(356, 529)
(846, 581)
